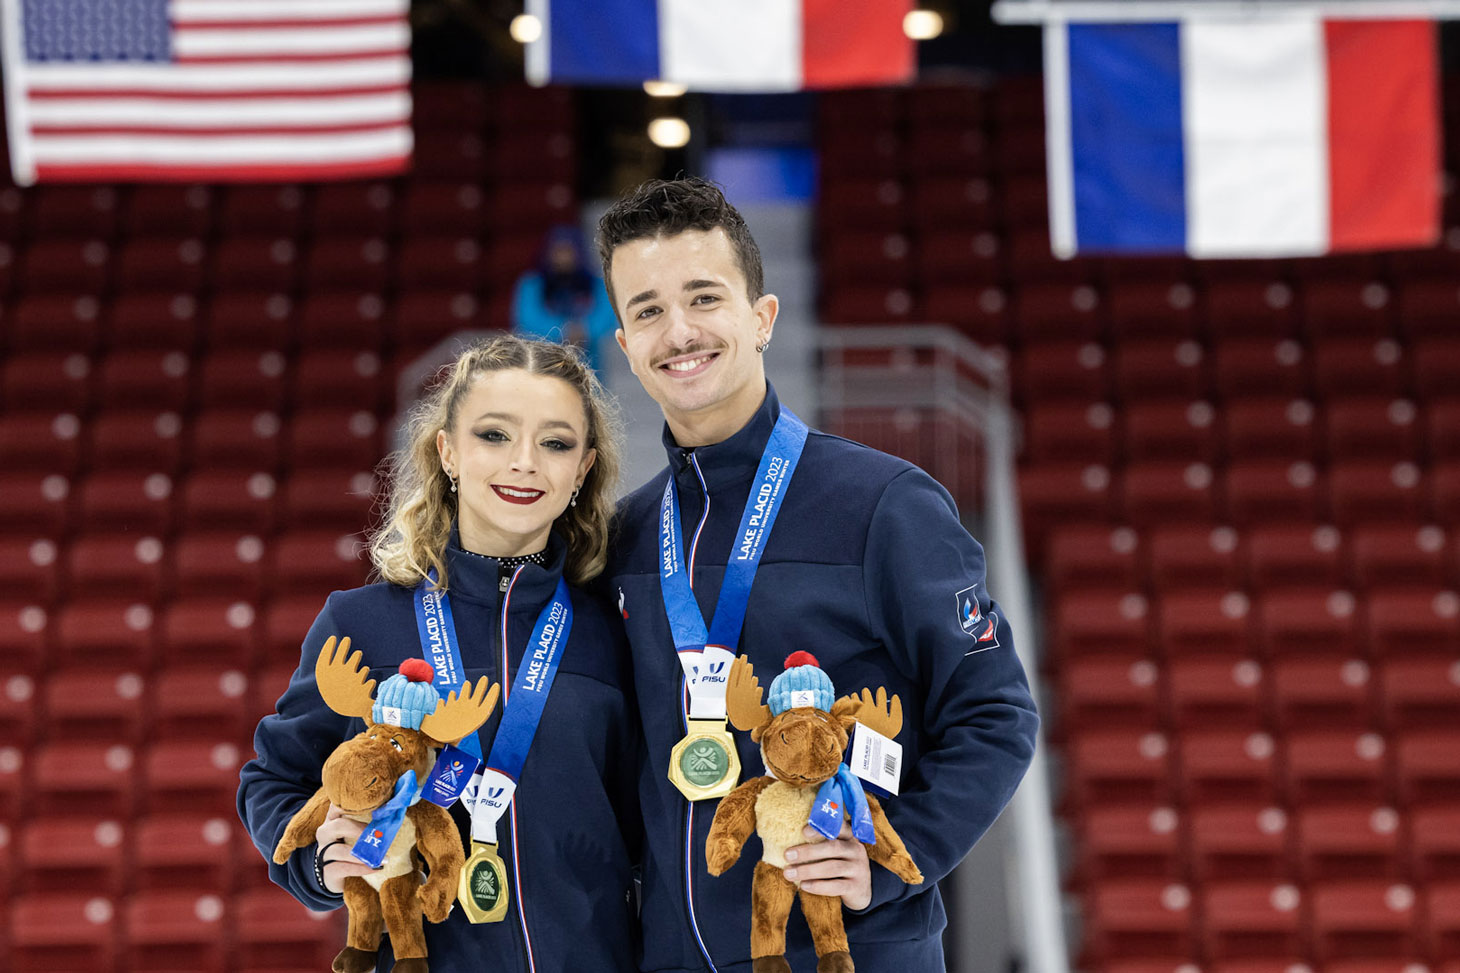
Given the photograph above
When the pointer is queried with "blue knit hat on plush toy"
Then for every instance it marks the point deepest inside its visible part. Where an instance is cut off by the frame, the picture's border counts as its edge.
(408, 697)
(802, 684)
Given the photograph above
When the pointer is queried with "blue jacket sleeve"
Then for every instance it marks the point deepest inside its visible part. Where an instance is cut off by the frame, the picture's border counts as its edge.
(976, 720)
(290, 747)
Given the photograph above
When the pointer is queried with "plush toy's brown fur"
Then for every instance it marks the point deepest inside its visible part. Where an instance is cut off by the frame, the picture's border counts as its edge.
(358, 778)
(802, 748)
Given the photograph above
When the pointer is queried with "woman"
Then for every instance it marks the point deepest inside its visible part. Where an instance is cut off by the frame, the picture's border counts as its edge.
(505, 486)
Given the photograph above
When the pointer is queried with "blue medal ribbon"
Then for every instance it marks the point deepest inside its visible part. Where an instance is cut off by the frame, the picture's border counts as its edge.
(691, 635)
(438, 644)
(842, 791)
(535, 674)
(385, 823)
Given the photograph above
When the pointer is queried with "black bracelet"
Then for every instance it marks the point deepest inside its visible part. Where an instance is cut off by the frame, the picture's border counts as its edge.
(319, 862)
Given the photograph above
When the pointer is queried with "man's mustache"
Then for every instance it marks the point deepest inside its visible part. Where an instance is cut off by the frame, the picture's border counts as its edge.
(691, 350)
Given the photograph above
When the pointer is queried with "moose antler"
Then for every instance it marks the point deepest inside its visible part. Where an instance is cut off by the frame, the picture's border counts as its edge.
(742, 697)
(880, 714)
(341, 680)
(456, 716)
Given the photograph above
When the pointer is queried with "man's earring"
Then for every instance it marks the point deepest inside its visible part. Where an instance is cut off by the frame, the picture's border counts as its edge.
(763, 346)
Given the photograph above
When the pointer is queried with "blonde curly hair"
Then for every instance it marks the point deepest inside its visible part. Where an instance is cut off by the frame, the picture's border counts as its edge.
(420, 507)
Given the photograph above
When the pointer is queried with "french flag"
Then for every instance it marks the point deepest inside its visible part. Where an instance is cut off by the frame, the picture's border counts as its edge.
(721, 45)
(1271, 137)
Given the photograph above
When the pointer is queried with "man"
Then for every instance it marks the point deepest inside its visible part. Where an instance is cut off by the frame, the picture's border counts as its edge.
(855, 556)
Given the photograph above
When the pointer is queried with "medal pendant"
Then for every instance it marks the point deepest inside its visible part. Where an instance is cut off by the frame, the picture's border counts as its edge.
(482, 889)
(704, 764)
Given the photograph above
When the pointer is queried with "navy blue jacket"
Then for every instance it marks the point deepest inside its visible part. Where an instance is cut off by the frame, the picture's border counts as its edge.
(868, 568)
(573, 804)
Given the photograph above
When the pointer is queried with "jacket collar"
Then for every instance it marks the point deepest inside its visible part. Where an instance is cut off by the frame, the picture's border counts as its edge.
(475, 577)
(733, 459)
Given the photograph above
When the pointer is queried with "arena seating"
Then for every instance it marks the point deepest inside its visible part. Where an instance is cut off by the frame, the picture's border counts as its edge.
(196, 386)
(1241, 494)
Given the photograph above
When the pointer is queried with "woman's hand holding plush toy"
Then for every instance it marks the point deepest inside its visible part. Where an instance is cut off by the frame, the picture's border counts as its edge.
(837, 867)
(335, 838)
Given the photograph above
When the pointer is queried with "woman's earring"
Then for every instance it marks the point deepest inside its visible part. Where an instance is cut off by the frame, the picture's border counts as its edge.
(452, 479)
(573, 500)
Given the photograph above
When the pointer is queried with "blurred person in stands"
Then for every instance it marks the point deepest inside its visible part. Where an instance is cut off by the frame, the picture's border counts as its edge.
(562, 299)
(500, 502)
(866, 566)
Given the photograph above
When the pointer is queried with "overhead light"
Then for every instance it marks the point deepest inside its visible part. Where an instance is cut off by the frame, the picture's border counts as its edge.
(922, 25)
(669, 132)
(664, 89)
(525, 28)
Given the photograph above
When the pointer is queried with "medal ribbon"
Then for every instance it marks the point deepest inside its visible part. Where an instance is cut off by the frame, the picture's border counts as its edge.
(705, 653)
(491, 793)
(842, 790)
(438, 643)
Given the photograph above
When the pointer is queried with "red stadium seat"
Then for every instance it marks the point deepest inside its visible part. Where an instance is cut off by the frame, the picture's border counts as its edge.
(951, 202)
(1254, 366)
(162, 264)
(1062, 370)
(1270, 428)
(452, 156)
(117, 631)
(1348, 841)
(210, 562)
(1393, 554)
(338, 438)
(1445, 492)
(1155, 367)
(184, 851)
(329, 499)
(94, 703)
(357, 208)
(1436, 366)
(1363, 919)
(255, 264)
(1052, 312)
(123, 500)
(165, 322)
(176, 930)
(1306, 621)
(959, 257)
(1197, 557)
(257, 320)
(26, 635)
(1426, 767)
(55, 381)
(242, 380)
(116, 565)
(1171, 431)
(261, 210)
(1310, 693)
(1250, 308)
(1294, 555)
(1442, 429)
(317, 560)
(1107, 693)
(229, 500)
(1069, 431)
(339, 379)
(73, 211)
(63, 931)
(1128, 841)
(168, 210)
(191, 776)
(1252, 919)
(62, 854)
(441, 208)
(439, 262)
(35, 502)
(273, 931)
(1204, 692)
(1140, 309)
(1163, 492)
(234, 439)
(1108, 766)
(145, 379)
(1267, 491)
(422, 318)
(1205, 623)
(1336, 765)
(217, 630)
(1409, 622)
(1145, 919)
(29, 568)
(1239, 841)
(955, 151)
(345, 263)
(1228, 765)
(1109, 622)
(1062, 492)
(40, 442)
(1372, 428)
(1093, 556)
(200, 703)
(343, 320)
(55, 322)
(136, 440)
(65, 267)
(1443, 932)
(867, 257)
(1362, 308)
(1434, 843)
(1419, 692)
(285, 623)
(98, 776)
(1360, 366)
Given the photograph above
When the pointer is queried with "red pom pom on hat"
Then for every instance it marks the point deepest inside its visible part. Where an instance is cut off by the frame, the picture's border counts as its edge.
(801, 658)
(417, 670)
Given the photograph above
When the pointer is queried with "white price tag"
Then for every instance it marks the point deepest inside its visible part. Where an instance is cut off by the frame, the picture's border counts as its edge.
(876, 759)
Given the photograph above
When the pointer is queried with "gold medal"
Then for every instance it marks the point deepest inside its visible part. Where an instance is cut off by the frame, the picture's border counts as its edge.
(482, 889)
(704, 764)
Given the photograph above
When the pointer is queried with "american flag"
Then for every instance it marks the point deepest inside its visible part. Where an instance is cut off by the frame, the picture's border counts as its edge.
(211, 90)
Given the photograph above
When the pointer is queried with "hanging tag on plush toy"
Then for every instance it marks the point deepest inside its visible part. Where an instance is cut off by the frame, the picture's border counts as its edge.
(385, 823)
(448, 779)
(877, 760)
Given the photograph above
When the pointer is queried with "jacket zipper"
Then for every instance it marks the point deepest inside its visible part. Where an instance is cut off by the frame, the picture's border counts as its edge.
(520, 935)
(689, 806)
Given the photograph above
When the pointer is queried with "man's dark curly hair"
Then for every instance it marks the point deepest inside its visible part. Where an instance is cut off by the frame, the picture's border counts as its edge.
(665, 207)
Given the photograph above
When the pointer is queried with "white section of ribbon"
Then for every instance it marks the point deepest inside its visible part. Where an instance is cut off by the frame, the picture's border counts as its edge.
(731, 45)
(487, 797)
(1255, 119)
(707, 674)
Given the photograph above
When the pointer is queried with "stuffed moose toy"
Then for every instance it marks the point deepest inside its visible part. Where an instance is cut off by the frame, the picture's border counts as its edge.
(802, 736)
(382, 769)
